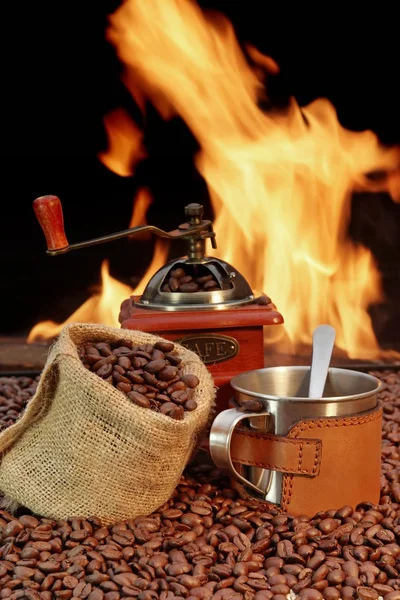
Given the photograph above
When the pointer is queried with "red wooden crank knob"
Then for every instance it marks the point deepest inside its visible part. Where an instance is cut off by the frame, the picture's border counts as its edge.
(48, 211)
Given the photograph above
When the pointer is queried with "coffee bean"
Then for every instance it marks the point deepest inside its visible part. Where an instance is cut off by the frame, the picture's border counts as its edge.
(191, 380)
(173, 284)
(155, 365)
(121, 351)
(167, 373)
(141, 389)
(382, 589)
(321, 573)
(138, 362)
(49, 566)
(331, 593)
(190, 405)
(92, 359)
(29, 521)
(23, 572)
(118, 378)
(336, 576)
(210, 286)
(143, 354)
(172, 410)
(135, 376)
(347, 593)
(125, 343)
(219, 542)
(104, 371)
(164, 346)
(142, 369)
(328, 525)
(124, 362)
(124, 387)
(310, 594)
(179, 397)
(284, 548)
(92, 350)
(178, 277)
(316, 560)
(178, 385)
(367, 593)
(188, 288)
(178, 273)
(139, 399)
(173, 359)
(103, 348)
(157, 354)
(103, 361)
(395, 595)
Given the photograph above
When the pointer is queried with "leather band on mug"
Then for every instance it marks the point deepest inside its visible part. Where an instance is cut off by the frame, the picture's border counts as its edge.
(287, 455)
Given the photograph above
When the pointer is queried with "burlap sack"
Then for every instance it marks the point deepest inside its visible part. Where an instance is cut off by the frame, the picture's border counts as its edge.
(83, 448)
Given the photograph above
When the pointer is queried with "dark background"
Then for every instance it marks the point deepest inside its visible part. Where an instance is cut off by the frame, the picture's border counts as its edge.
(59, 78)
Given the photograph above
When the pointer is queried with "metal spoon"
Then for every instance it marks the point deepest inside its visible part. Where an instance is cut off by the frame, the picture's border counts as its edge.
(323, 342)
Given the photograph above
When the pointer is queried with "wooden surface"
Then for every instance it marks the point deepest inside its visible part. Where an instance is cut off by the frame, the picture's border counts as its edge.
(17, 355)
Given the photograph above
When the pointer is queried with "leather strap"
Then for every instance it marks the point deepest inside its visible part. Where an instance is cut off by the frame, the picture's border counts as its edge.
(288, 455)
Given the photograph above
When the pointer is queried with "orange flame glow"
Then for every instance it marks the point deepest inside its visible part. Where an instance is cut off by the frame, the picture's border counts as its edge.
(125, 143)
(280, 183)
(141, 205)
(102, 307)
(123, 154)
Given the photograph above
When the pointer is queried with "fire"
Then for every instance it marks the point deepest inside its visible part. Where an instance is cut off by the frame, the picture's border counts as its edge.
(141, 205)
(100, 308)
(125, 143)
(124, 152)
(280, 182)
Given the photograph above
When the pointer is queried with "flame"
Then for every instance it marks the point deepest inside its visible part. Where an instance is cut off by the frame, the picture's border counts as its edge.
(159, 259)
(280, 182)
(100, 308)
(125, 143)
(124, 152)
(141, 205)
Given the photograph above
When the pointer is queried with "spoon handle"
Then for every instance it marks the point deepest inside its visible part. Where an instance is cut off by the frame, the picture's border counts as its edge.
(323, 342)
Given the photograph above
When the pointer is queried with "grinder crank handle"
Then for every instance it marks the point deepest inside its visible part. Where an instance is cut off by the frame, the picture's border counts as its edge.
(48, 211)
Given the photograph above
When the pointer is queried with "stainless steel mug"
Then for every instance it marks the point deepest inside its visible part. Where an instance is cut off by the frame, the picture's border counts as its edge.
(283, 392)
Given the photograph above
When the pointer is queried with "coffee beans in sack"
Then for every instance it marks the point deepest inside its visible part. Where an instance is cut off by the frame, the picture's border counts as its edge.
(85, 446)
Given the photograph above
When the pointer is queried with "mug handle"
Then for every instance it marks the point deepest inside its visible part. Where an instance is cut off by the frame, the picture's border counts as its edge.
(220, 442)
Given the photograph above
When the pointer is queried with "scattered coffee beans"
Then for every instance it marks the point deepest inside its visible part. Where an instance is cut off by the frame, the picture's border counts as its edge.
(14, 394)
(206, 543)
(150, 375)
(389, 399)
(180, 281)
